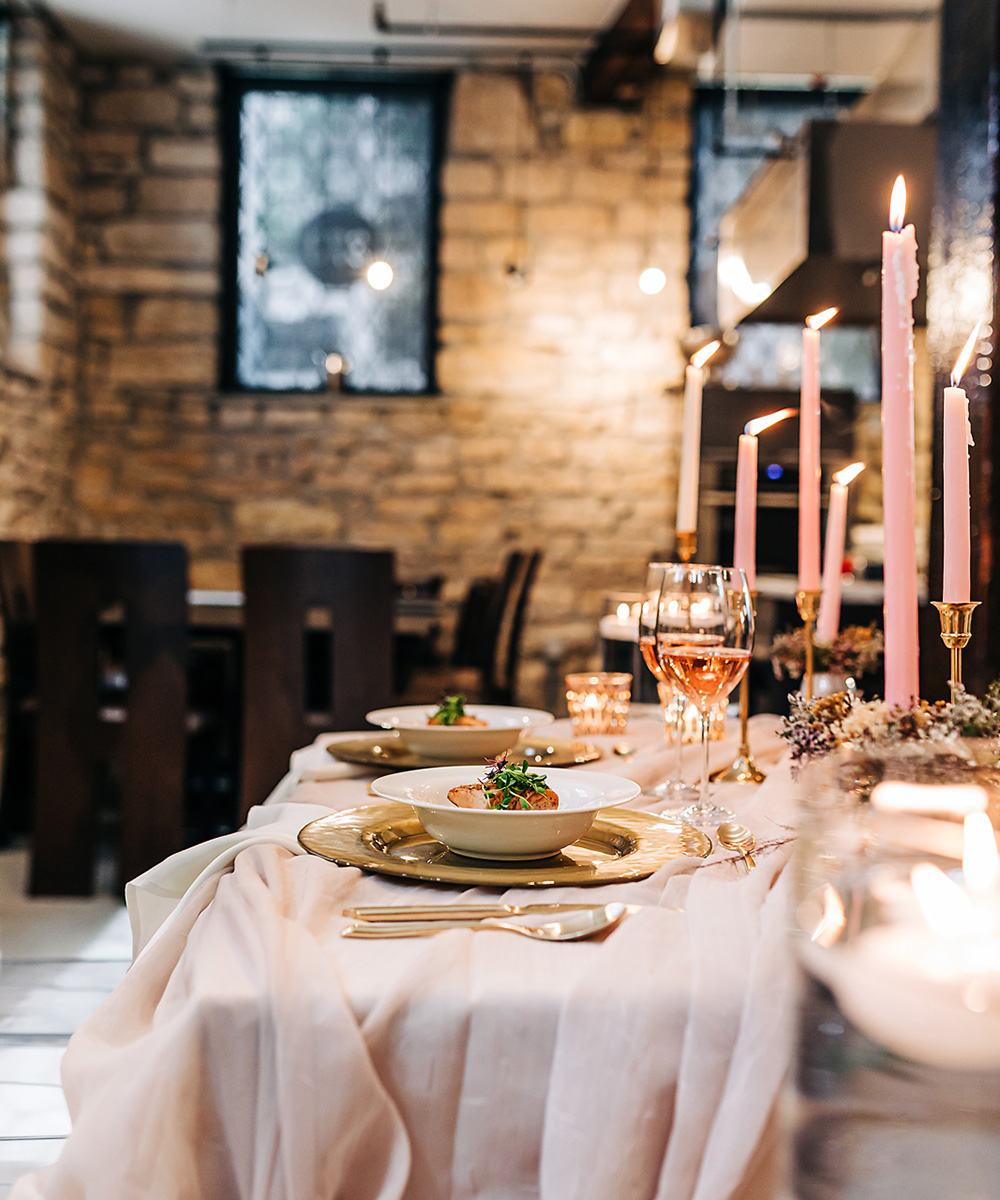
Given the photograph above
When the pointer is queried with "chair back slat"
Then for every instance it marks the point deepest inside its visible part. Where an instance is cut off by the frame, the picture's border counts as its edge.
(318, 627)
(79, 740)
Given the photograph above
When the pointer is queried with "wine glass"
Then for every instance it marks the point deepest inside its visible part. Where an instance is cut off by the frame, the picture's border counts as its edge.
(704, 638)
(674, 788)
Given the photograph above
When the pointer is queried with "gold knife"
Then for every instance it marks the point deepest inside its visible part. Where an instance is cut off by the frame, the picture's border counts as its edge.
(460, 912)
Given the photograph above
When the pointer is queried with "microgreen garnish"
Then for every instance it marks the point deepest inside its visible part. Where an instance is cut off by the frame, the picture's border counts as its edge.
(505, 784)
(449, 710)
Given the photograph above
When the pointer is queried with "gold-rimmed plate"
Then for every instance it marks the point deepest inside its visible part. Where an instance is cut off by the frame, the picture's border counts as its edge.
(387, 839)
(386, 751)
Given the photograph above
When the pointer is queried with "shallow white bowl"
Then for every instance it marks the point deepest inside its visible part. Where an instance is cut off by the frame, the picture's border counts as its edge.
(505, 725)
(491, 833)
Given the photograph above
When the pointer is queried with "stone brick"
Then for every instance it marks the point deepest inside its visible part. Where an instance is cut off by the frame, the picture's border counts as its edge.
(201, 116)
(175, 319)
(143, 280)
(194, 243)
(599, 128)
(286, 519)
(150, 108)
(164, 363)
(103, 316)
(184, 154)
(537, 179)
(489, 114)
(103, 201)
(169, 193)
(583, 220)
(469, 178)
(483, 217)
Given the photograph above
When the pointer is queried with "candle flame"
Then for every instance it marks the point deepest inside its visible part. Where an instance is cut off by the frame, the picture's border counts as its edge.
(946, 908)
(848, 473)
(980, 861)
(963, 359)
(831, 925)
(897, 205)
(700, 357)
(623, 611)
(762, 423)
(818, 320)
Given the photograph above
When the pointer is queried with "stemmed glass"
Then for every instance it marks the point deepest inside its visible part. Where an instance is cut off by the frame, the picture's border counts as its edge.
(704, 638)
(674, 788)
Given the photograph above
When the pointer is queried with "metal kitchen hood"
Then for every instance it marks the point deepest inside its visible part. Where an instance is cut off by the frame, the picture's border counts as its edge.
(807, 232)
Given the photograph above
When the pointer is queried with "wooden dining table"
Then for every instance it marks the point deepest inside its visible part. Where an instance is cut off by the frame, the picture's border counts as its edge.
(251, 1051)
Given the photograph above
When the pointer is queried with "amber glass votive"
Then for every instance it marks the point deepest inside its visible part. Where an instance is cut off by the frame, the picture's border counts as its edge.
(598, 702)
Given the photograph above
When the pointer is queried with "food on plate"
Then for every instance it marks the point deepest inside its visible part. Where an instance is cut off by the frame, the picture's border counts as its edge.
(506, 786)
(451, 711)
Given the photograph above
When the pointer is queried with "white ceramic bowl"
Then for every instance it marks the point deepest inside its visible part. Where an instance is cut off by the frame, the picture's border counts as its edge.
(491, 833)
(504, 725)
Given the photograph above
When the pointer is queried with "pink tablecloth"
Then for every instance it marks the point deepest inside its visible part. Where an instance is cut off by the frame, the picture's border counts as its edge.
(251, 1052)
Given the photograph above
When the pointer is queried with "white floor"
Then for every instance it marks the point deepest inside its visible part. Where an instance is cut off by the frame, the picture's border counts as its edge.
(60, 958)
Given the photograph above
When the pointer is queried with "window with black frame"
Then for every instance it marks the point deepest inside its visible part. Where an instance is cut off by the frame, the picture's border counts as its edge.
(331, 224)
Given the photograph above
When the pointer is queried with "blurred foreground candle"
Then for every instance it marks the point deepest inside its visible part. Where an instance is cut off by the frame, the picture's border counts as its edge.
(810, 472)
(687, 488)
(957, 440)
(598, 702)
(745, 533)
(828, 625)
(899, 288)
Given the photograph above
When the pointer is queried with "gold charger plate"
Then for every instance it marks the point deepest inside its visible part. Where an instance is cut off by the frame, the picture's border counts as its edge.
(389, 840)
(386, 750)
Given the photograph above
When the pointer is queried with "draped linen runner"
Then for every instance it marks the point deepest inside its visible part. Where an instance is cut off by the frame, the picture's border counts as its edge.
(252, 1053)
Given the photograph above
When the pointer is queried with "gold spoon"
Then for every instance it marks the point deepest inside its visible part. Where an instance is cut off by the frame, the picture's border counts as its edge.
(738, 838)
(581, 924)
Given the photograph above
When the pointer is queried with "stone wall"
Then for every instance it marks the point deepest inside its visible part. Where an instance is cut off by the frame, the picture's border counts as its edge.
(38, 362)
(555, 423)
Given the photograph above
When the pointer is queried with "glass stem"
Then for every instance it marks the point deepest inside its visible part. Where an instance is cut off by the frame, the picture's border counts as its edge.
(703, 712)
(679, 706)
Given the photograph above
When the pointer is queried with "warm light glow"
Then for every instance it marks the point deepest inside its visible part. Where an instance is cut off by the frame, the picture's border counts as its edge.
(379, 275)
(334, 364)
(957, 799)
(623, 611)
(980, 861)
(652, 280)
(700, 357)
(818, 320)
(733, 274)
(667, 42)
(848, 473)
(762, 423)
(946, 908)
(831, 924)
(963, 359)
(897, 205)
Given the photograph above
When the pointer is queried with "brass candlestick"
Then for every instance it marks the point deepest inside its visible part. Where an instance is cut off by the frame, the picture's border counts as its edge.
(743, 769)
(807, 602)
(687, 544)
(956, 629)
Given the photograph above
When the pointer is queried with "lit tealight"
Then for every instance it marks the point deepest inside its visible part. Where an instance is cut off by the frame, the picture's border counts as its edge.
(652, 280)
(379, 275)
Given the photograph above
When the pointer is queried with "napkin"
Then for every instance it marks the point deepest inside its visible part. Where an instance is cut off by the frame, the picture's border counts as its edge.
(154, 898)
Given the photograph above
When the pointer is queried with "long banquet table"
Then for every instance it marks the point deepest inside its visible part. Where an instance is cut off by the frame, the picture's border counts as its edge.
(252, 1052)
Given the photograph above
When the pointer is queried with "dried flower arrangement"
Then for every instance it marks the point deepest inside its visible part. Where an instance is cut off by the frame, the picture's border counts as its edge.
(856, 650)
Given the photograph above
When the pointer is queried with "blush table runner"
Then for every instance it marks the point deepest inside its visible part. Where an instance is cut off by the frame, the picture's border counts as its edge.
(252, 1053)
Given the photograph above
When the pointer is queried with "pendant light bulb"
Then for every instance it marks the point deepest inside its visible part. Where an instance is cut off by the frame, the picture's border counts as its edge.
(652, 280)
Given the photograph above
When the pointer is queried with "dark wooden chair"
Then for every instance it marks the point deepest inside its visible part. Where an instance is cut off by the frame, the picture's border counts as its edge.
(488, 636)
(20, 689)
(112, 619)
(318, 627)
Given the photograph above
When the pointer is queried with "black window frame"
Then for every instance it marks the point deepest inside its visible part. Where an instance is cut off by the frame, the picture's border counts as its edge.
(234, 84)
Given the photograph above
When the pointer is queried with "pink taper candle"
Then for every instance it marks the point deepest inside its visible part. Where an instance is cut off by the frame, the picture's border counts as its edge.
(957, 440)
(828, 622)
(687, 486)
(899, 288)
(745, 531)
(810, 472)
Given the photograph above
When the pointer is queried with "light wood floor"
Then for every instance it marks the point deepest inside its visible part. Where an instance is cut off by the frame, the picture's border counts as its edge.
(60, 958)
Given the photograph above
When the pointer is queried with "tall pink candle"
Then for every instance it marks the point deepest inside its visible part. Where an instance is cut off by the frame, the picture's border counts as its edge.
(957, 440)
(899, 288)
(687, 485)
(828, 622)
(745, 530)
(745, 534)
(810, 475)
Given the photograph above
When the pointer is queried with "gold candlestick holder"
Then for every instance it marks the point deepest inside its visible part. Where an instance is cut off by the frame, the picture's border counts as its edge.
(956, 630)
(743, 769)
(807, 602)
(687, 544)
